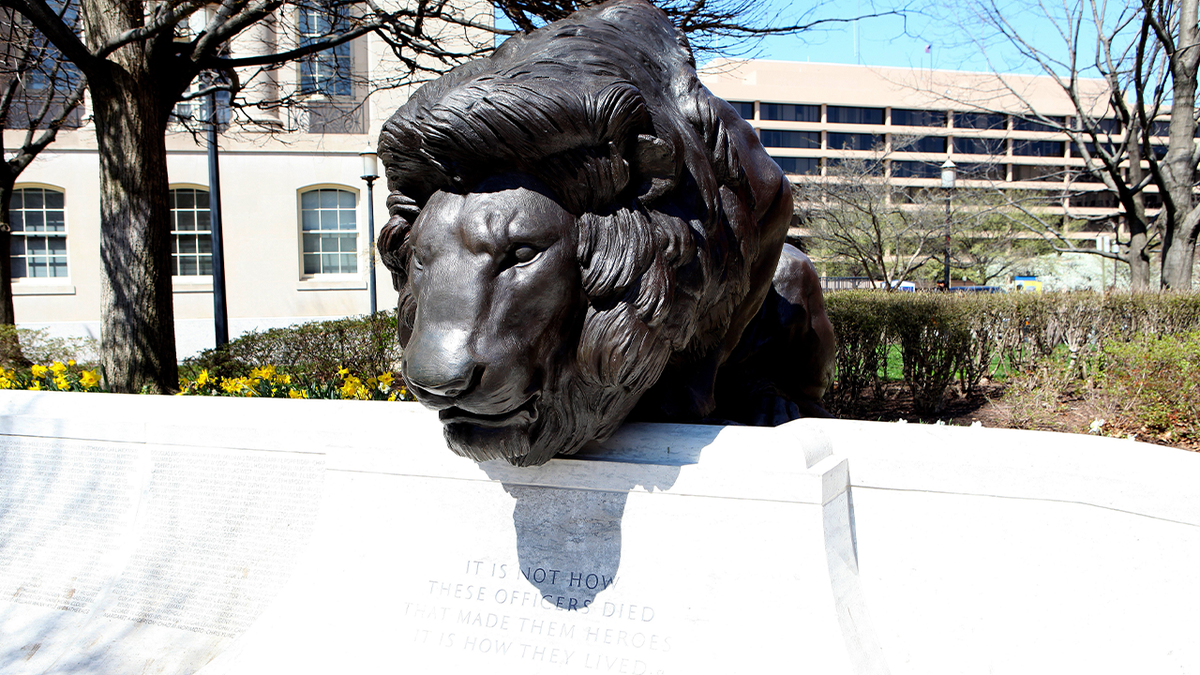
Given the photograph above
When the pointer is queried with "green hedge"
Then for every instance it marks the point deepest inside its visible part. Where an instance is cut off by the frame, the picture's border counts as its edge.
(946, 341)
(362, 344)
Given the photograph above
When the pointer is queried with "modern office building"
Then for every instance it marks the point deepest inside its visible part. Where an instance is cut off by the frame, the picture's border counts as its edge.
(910, 121)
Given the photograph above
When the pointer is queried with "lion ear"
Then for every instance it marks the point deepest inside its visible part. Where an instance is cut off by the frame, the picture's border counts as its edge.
(654, 161)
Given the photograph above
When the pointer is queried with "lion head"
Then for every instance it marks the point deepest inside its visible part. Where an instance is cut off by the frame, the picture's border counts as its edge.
(568, 216)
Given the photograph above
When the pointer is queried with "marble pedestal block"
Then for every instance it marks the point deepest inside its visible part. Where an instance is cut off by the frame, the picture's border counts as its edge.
(220, 536)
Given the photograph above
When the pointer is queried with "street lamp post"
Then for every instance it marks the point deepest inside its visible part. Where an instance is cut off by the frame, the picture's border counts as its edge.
(370, 171)
(220, 305)
(949, 174)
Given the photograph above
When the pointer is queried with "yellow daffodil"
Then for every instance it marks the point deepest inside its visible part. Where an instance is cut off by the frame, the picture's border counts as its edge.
(39, 370)
(36, 386)
(58, 368)
(264, 373)
(386, 380)
(343, 372)
(392, 396)
(202, 378)
(351, 386)
(6, 383)
(61, 383)
(292, 393)
(71, 362)
(283, 378)
(89, 379)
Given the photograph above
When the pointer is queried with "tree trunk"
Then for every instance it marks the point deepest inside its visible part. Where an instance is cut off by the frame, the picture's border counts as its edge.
(1179, 237)
(137, 335)
(8, 316)
(1139, 257)
(10, 345)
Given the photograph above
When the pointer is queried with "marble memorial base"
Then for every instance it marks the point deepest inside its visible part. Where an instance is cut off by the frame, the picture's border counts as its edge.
(227, 536)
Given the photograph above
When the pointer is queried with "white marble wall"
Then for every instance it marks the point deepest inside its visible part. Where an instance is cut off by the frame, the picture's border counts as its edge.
(181, 535)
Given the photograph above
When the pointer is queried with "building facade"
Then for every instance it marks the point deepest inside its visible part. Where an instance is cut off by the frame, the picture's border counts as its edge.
(294, 205)
(810, 116)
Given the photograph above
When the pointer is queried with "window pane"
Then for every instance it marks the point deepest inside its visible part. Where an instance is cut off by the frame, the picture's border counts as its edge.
(349, 263)
(187, 244)
(799, 165)
(37, 245)
(310, 220)
(34, 199)
(745, 109)
(18, 220)
(329, 243)
(58, 267)
(849, 115)
(346, 219)
(853, 141)
(184, 199)
(54, 221)
(345, 199)
(347, 243)
(979, 146)
(17, 246)
(18, 268)
(201, 199)
(311, 243)
(18, 200)
(329, 263)
(790, 113)
(791, 139)
(204, 244)
(312, 264)
(309, 200)
(967, 120)
(202, 221)
(328, 199)
(206, 265)
(185, 220)
(918, 118)
(57, 245)
(187, 266)
(34, 221)
(54, 200)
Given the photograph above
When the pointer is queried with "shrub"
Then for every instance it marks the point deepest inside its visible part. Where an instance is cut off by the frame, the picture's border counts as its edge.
(948, 340)
(318, 349)
(21, 347)
(1157, 379)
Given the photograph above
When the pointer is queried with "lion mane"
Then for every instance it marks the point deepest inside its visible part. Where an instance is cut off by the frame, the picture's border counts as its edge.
(680, 212)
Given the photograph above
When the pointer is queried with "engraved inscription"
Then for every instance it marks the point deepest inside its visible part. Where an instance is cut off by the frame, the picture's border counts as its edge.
(496, 609)
(222, 533)
(61, 507)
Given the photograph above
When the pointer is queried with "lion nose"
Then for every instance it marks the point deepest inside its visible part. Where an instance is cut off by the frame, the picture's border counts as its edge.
(439, 363)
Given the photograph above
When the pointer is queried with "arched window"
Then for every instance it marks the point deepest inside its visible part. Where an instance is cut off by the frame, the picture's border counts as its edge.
(39, 233)
(191, 233)
(329, 231)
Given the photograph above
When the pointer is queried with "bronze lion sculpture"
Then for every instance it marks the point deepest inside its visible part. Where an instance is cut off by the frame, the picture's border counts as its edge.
(581, 233)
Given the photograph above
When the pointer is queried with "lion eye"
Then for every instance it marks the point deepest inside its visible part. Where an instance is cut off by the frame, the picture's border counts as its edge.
(523, 254)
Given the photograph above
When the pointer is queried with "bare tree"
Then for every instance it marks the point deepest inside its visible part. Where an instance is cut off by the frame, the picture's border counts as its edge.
(891, 232)
(1143, 54)
(39, 94)
(855, 215)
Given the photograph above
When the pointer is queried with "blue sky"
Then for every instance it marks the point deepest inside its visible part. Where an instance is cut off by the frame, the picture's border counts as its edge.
(902, 41)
